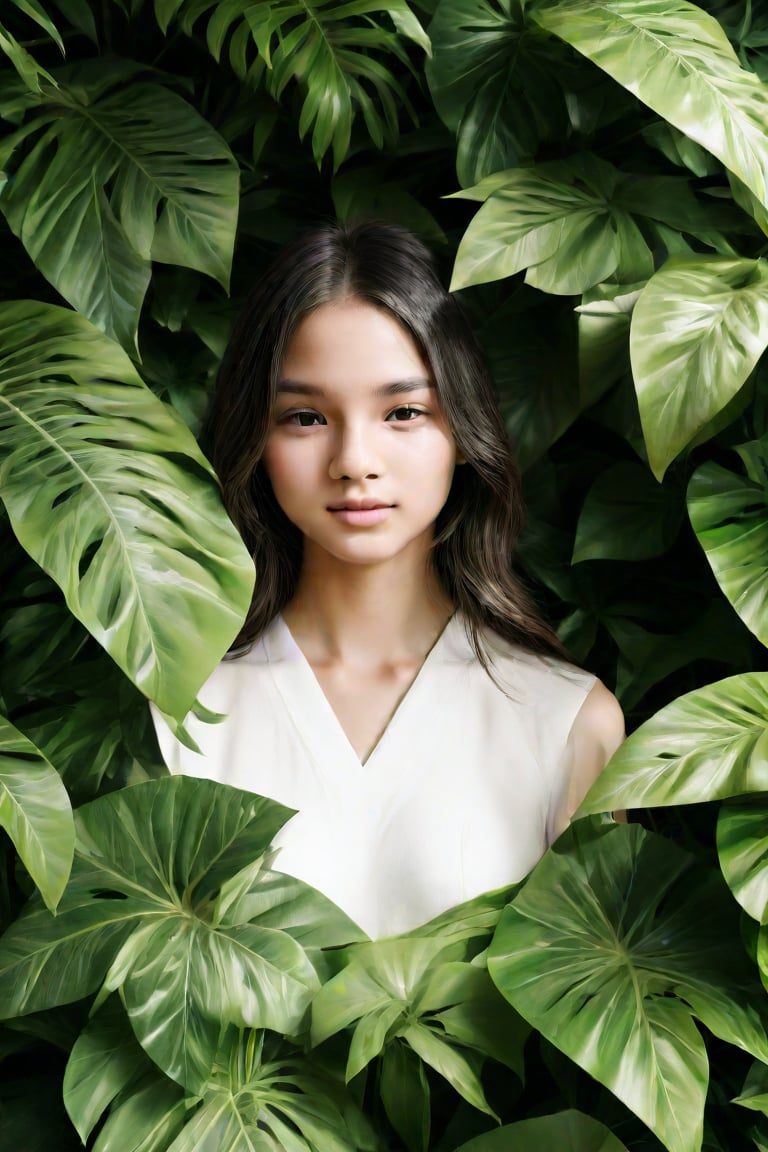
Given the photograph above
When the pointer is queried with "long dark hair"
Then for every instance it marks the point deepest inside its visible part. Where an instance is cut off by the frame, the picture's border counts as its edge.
(477, 530)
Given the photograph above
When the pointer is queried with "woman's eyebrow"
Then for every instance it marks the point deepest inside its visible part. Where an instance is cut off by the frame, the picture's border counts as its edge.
(396, 388)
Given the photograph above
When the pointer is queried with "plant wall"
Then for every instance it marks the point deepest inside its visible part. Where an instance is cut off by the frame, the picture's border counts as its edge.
(593, 179)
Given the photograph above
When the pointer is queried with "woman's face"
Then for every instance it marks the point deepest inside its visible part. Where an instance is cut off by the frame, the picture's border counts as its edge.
(359, 455)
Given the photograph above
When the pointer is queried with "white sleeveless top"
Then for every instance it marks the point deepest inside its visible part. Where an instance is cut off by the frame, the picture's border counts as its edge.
(459, 797)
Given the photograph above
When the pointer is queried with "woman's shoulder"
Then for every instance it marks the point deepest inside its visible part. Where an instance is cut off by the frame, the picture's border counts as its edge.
(530, 672)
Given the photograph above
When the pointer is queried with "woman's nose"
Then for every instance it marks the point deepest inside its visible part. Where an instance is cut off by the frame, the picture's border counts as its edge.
(355, 455)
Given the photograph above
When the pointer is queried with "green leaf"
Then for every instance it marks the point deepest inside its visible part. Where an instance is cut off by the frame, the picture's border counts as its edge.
(267, 1102)
(676, 59)
(146, 1120)
(530, 343)
(405, 1095)
(565, 1131)
(108, 492)
(452, 1064)
(562, 221)
(611, 946)
(604, 320)
(742, 845)
(104, 183)
(698, 330)
(706, 745)
(35, 812)
(492, 77)
(105, 1059)
(362, 193)
(336, 53)
(729, 514)
(754, 1094)
(626, 515)
(149, 863)
(31, 73)
(478, 1016)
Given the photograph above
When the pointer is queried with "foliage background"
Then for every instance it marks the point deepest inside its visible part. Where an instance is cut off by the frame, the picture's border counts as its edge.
(593, 179)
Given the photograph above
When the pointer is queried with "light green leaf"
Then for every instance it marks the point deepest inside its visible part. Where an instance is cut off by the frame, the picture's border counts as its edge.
(492, 77)
(729, 514)
(676, 59)
(754, 1094)
(269, 1101)
(609, 948)
(478, 1016)
(698, 329)
(706, 745)
(107, 182)
(452, 1065)
(742, 845)
(562, 221)
(32, 73)
(564, 1131)
(187, 980)
(371, 1034)
(108, 492)
(35, 812)
(604, 320)
(377, 973)
(149, 863)
(626, 515)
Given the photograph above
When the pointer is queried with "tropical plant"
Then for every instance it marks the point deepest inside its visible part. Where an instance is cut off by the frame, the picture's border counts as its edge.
(593, 178)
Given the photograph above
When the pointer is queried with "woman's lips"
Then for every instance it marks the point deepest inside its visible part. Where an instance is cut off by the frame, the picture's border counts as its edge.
(361, 517)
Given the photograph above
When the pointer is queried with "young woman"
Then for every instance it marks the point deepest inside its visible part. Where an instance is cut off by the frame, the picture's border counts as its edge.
(392, 681)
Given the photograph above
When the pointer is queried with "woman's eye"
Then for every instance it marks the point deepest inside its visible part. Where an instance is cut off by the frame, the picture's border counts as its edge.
(304, 419)
(405, 413)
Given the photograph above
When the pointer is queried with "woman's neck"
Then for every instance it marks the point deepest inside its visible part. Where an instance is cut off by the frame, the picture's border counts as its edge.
(366, 616)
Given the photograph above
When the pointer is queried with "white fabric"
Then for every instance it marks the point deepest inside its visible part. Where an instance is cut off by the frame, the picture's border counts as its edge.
(459, 797)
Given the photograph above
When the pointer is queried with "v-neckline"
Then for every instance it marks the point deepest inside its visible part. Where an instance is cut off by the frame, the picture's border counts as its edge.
(311, 710)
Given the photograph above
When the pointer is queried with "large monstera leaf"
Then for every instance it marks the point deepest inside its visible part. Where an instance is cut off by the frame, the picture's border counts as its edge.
(35, 812)
(676, 59)
(698, 329)
(107, 179)
(612, 947)
(156, 908)
(706, 745)
(108, 492)
(729, 514)
(336, 50)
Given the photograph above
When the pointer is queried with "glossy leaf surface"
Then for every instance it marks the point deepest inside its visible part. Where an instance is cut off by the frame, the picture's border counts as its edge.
(35, 812)
(729, 514)
(108, 492)
(562, 221)
(698, 329)
(742, 845)
(140, 910)
(609, 949)
(706, 745)
(566, 1131)
(677, 59)
(107, 182)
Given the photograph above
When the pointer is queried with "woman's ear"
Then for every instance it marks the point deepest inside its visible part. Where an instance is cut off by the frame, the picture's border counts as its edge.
(460, 459)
